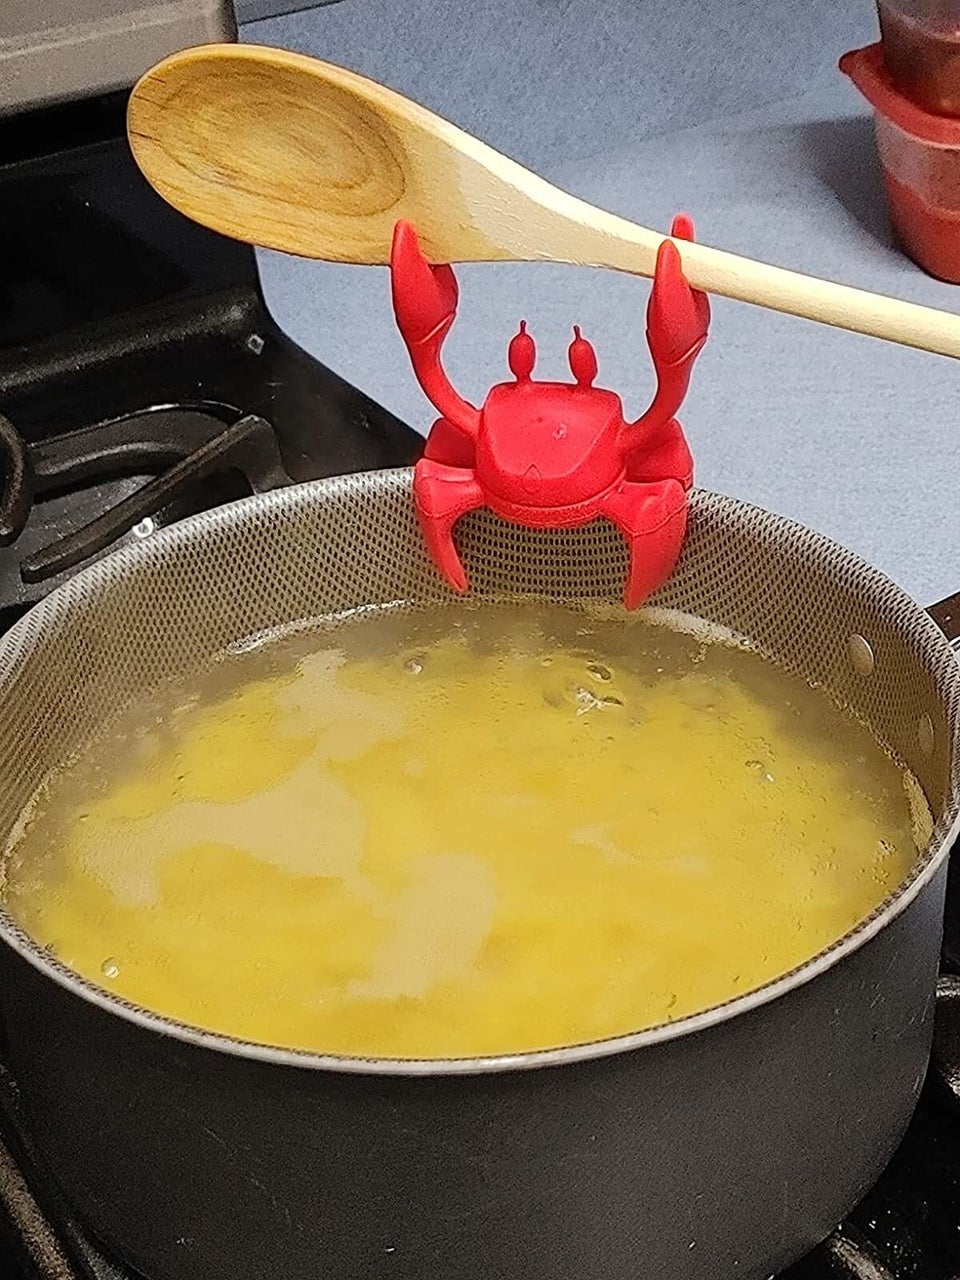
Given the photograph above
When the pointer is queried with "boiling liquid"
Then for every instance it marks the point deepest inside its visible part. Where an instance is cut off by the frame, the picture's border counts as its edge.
(463, 832)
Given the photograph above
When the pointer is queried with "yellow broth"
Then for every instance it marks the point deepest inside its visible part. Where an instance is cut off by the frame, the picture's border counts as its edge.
(463, 832)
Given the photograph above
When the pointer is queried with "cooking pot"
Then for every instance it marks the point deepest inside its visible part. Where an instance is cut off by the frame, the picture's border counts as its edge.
(722, 1145)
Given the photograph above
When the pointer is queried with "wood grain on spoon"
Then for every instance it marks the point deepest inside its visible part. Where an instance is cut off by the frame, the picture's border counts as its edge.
(285, 151)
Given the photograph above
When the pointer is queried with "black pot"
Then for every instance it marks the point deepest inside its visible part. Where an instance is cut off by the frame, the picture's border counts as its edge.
(726, 1145)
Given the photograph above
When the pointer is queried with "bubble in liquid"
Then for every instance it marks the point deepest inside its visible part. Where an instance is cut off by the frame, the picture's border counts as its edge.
(414, 666)
(757, 766)
(110, 968)
(600, 672)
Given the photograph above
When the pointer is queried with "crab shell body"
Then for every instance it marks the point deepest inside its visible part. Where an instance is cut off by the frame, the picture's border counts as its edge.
(552, 454)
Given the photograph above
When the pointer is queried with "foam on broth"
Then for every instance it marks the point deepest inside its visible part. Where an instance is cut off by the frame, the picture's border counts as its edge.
(463, 832)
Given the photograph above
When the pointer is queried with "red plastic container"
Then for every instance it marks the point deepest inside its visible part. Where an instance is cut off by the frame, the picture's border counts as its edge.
(920, 156)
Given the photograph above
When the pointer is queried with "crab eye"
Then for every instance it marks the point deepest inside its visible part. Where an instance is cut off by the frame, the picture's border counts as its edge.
(583, 359)
(522, 354)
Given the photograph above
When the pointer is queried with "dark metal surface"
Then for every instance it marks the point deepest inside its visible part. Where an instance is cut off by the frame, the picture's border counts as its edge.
(64, 49)
(249, 445)
(16, 483)
(112, 303)
(906, 1228)
(946, 614)
(184, 446)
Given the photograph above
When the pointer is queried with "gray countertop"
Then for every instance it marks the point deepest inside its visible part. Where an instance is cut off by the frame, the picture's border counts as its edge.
(734, 112)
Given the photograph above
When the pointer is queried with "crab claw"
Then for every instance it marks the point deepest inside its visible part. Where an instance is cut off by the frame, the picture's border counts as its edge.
(677, 315)
(677, 321)
(425, 304)
(424, 297)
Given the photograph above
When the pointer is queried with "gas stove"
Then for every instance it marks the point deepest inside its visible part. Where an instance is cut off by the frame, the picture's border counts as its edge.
(141, 376)
(142, 379)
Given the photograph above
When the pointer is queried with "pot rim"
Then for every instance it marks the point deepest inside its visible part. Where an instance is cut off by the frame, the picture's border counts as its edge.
(924, 870)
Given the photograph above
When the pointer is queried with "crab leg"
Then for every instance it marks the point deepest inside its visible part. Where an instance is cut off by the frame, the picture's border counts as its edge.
(442, 495)
(653, 519)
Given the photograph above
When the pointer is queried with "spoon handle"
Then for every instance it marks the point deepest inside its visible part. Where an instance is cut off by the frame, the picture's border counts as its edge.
(582, 234)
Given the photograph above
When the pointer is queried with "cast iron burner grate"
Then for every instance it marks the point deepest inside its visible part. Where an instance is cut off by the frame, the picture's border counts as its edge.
(69, 498)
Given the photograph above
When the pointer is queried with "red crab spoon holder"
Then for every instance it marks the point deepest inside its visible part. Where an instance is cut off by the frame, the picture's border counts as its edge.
(552, 455)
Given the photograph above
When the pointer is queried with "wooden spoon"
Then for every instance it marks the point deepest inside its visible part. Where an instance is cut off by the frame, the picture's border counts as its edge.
(291, 153)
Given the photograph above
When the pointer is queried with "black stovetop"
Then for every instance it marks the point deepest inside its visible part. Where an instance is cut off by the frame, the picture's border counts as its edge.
(142, 379)
(135, 347)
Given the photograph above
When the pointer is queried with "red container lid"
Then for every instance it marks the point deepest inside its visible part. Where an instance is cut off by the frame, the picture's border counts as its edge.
(921, 175)
(866, 69)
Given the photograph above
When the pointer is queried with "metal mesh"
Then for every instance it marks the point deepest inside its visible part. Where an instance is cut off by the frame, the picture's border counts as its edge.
(157, 610)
